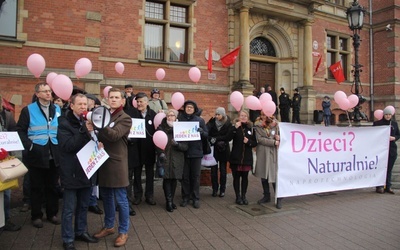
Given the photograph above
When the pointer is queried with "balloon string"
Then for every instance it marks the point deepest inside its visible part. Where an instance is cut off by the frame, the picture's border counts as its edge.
(348, 117)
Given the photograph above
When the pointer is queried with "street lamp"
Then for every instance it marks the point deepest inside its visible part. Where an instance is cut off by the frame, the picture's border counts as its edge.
(355, 16)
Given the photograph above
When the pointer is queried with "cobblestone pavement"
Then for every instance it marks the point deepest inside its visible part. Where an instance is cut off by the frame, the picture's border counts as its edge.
(355, 219)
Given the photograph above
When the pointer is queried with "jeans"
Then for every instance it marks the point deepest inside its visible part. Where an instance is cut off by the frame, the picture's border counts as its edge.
(110, 196)
(80, 198)
(93, 198)
(222, 177)
(7, 201)
(191, 179)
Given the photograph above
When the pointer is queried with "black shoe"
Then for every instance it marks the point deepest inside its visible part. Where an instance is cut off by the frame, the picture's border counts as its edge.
(214, 194)
(168, 207)
(54, 220)
(174, 206)
(95, 209)
(137, 201)
(279, 203)
(86, 238)
(245, 201)
(239, 201)
(38, 223)
(69, 246)
(132, 212)
(150, 201)
(196, 204)
(184, 203)
(11, 227)
(222, 194)
(264, 199)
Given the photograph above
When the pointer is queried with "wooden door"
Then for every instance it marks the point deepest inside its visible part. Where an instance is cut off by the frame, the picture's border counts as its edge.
(262, 73)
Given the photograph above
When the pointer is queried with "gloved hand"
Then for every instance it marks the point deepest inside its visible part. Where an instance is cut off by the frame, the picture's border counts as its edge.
(213, 140)
(162, 158)
(200, 130)
(174, 143)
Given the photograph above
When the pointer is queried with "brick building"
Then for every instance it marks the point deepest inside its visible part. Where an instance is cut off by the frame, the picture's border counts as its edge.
(278, 38)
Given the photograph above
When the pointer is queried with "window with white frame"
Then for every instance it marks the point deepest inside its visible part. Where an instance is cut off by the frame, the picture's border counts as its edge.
(338, 2)
(166, 31)
(8, 18)
(337, 50)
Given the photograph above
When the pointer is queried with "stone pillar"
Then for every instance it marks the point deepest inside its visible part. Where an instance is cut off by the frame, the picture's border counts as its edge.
(244, 55)
(307, 91)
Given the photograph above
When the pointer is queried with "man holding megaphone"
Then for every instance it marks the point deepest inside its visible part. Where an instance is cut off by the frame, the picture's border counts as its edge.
(113, 174)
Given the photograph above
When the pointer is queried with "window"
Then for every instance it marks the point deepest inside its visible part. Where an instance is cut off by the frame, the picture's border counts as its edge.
(166, 32)
(261, 46)
(337, 2)
(8, 18)
(337, 50)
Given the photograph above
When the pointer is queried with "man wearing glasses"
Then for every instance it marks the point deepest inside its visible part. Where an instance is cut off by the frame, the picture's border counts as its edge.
(37, 128)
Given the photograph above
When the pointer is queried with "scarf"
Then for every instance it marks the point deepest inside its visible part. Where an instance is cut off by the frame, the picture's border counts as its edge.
(219, 123)
(116, 111)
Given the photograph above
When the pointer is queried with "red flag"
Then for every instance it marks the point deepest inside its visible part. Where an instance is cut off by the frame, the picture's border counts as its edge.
(230, 58)
(210, 59)
(337, 72)
(318, 63)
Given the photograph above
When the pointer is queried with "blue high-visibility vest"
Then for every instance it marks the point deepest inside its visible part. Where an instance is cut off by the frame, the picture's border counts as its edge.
(40, 129)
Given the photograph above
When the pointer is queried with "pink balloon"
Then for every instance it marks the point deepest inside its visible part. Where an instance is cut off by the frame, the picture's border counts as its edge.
(269, 108)
(253, 103)
(265, 97)
(236, 98)
(82, 67)
(344, 104)
(177, 100)
(119, 67)
(36, 64)
(378, 114)
(391, 109)
(160, 74)
(353, 99)
(339, 95)
(50, 77)
(134, 103)
(105, 91)
(62, 86)
(160, 139)
(194, 74)
(158, 119)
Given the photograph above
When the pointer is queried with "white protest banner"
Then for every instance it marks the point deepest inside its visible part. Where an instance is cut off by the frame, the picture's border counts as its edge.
(138, 129)
(186, 131)
(91, 158)
(316, 159)
(10, 141)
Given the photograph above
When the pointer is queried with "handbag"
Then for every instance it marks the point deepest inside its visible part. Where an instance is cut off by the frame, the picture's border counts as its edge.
(8, 185)
(12, 169)
(208, 160)
(206, 147)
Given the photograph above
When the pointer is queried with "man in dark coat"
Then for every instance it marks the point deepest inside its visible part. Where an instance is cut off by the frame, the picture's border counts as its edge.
(394, 136)
(284, 105)
(147, 153)
(274, 97)
(72, 137)
(296, 104)
(37, 128)
(192, 168)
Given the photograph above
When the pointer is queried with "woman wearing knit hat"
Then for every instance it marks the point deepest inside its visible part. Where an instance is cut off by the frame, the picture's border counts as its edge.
(219, 128)
(394, 136)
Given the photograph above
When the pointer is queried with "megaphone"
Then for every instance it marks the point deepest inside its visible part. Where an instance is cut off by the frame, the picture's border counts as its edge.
(100, 117)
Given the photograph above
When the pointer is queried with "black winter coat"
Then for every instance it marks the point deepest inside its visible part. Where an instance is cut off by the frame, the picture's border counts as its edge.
(394, 131)
(146, 147)
(72, 137)
(175, 155)
(222, 138)
(242, 154)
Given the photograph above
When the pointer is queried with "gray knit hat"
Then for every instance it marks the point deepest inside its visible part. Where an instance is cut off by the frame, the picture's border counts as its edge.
(220, 111)
(387, 111)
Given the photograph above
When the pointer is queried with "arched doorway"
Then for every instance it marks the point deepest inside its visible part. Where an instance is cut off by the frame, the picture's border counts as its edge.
(262, 73)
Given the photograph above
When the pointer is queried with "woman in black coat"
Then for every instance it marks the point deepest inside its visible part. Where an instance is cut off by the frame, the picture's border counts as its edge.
(241, 159)
(219, 128)
(172, 158)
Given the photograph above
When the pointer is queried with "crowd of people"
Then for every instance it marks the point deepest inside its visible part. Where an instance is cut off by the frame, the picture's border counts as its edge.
(53, 131)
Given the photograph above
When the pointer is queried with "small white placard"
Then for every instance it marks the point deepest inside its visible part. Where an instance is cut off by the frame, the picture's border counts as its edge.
(186, 131)
(91, 158)
(138, 129)
(10, 141)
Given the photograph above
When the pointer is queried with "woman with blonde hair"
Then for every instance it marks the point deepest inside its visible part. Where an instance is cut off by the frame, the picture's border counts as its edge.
(268, 139)
(241, 158)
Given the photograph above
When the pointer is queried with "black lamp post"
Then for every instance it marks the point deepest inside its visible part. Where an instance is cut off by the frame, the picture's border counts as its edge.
(355, 16)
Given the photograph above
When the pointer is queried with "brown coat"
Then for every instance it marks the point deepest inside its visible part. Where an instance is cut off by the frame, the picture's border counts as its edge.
(114, 172)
